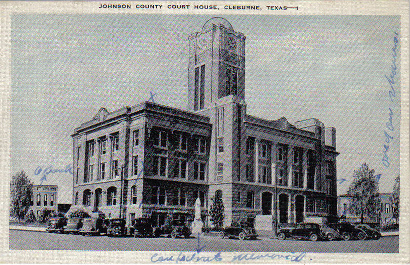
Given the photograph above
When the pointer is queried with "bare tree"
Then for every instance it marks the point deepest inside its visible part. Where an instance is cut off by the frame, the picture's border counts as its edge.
(395, 199)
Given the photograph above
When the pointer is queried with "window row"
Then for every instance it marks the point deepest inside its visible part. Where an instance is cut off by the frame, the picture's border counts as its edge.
(175, 197)
(180, 168)
(47, 200)
(265, 175)
(102, 145)
(245, 199)
(162, 139)
(91, 173)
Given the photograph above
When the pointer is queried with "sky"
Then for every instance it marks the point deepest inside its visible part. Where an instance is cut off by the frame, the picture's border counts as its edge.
(65, 67)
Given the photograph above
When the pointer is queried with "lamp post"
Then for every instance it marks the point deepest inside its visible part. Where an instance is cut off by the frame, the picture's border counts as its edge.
(121, 190)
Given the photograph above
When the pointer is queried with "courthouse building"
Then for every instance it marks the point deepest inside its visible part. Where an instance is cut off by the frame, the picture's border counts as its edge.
(151, 159)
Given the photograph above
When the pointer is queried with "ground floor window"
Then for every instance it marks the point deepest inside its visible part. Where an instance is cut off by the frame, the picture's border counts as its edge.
(112, 196)
(250, 199)
(158, 196)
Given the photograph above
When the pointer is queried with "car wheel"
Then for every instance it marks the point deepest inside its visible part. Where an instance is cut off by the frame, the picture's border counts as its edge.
(281, 236)
(331, 237)
(361, 236)
(377, 237)
(242, 236)
(313, 237)
(346, 236)
(174, 234)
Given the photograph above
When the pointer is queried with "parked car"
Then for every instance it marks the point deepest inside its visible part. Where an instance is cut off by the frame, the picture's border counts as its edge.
(240, 231)
(371, 233)
(141, 227)
(93, 226)
(116, 227)
(309, 231)
(56, 224)
(174, 226)
(349, 231)
(73, 225)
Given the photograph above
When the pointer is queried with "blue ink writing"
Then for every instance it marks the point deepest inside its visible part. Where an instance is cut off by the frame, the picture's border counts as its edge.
(50, 170)
(186, 257)
(151, 98)
(295, 257)
(387, 133)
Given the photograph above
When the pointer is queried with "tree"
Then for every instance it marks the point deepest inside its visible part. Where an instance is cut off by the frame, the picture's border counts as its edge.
(395, 199)
(364, 192)
(21, 192)
(217, 210)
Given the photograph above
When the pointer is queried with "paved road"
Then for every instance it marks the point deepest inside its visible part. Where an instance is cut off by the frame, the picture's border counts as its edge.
(40, 240)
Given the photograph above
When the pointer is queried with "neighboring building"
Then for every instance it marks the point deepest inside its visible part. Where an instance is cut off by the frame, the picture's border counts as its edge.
(155, 158)
(44, 197)
(385, 216)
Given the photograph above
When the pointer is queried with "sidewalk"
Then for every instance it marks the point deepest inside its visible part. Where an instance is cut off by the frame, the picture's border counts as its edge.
(27, 228)
(390, 233)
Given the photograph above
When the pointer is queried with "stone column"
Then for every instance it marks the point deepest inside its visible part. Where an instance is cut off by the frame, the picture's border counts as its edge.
(304, 167)
(256, 170)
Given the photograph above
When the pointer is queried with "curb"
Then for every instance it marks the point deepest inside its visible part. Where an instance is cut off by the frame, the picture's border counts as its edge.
(27, 228)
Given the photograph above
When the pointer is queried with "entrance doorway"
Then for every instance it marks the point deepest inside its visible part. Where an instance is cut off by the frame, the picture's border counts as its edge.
(266, 203)
(299, 208)
(283, 208)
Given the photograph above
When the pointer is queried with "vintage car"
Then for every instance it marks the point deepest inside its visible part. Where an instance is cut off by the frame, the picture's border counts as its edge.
(93, 226)
(116, 227)
(348, 231)
(371, 233)
(175, 225)
(56, 224)
(142, 227)
(241, 231)
(310, 231)
(73, 225)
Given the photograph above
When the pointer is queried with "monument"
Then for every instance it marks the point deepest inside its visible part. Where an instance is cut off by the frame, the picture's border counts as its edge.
(197, 224)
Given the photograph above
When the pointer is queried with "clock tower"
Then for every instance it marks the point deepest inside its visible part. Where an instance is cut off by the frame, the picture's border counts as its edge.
(216, 64)
(216, 88)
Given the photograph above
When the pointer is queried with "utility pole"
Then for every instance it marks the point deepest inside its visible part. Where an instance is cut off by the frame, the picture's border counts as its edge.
(121, 190)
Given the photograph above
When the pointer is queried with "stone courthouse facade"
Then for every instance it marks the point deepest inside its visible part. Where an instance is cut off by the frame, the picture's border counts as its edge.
(149, 159)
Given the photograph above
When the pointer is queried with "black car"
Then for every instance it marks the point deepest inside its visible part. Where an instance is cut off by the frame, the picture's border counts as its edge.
(141, 227)
(174, 226)
(93, 226)
(116, 227)
(349, 231)
(309, 231)
(240, 231)
(371, 233)
(56, 224)
(73, 225)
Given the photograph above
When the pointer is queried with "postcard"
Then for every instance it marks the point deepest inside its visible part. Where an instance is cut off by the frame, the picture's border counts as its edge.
(205, 132)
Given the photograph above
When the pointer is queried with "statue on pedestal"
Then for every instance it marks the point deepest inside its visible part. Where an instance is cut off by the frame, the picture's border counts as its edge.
(197, 224)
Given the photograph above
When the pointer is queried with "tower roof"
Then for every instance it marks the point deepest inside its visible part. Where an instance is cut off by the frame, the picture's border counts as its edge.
(216, 21)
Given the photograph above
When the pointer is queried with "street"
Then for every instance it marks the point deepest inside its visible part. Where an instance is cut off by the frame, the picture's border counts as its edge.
(31, 240)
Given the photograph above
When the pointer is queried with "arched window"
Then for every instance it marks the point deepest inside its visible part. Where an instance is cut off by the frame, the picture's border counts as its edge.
(87, 197)
(134, 195)
(112, 196)
(45, 199)
(38, 200)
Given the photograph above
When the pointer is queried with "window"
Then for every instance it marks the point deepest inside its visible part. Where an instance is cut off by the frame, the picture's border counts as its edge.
(135, 165)
(199, 170)
(90, 148)
(160, 139)
(387, 208)
(237, 197)
(250, 145)
(76, 175)
(180, 168)
(158, 196)
(52, 200)
(220, 169)
(263, 151)
(231, 84)
(250, 199)
(160, 166)
(76, 198)
(135, 137)
(115, 142)
(282, 177)
(310, 205)
(181, 197)
(220, 144)
(134, 194)
(102, 170)
(112, 196)
(311, 167)
(38, 199)
(87, 198)
(297, 179)
(102, 145)
(264, 175)
(115, 170)
(181, 142)
(200, 145)
(78, 153)
(282, 153)
(90, 172)
(199, 97)
(297, 155)
(249, 173)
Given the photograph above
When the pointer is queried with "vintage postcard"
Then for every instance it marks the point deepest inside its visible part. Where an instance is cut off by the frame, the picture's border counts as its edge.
(204, 132)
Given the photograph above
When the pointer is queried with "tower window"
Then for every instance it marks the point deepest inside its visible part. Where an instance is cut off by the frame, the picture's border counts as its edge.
(199, 97)
(231, 81)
